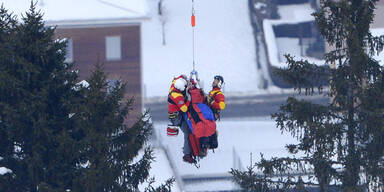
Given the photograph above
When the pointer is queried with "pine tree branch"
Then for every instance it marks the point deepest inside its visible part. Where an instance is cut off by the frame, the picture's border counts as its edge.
(304, 75)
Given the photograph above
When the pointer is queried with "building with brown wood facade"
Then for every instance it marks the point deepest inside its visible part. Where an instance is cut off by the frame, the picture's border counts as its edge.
(117, 47)
(99, 31)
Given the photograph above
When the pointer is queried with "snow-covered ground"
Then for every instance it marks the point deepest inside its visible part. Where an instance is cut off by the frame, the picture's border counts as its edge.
(238, 139)
(224, 45)
(215, 185)
(160, 170)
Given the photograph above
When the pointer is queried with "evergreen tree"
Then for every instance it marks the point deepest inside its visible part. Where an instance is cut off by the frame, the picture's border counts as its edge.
(108, 145)
(36, 89)
(340, 144)
(56, 135)
(7, 85)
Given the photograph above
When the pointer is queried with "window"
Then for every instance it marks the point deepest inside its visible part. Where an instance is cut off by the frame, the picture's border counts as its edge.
(113, 48)
(69, 51)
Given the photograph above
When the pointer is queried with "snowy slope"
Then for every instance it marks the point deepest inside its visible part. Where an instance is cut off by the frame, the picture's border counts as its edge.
(237, 140)
(224, 45)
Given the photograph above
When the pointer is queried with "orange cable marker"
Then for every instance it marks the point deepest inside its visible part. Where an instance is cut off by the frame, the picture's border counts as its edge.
(193, 20)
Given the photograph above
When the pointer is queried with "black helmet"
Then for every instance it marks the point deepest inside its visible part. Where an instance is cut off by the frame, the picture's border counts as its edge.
(220, 78)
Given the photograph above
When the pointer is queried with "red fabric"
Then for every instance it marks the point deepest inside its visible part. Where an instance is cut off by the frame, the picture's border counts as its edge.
(217, 98)
(195, 145)
(196, 95)
(179, 102)
(203, 128)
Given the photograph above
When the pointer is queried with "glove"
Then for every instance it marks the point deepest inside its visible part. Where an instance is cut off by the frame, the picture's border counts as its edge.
(172, 130)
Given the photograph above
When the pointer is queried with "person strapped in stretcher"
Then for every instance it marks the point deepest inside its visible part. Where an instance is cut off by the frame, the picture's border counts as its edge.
(193, 116)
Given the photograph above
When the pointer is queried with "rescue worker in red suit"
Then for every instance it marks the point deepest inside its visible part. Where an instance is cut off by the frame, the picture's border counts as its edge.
(216, 98)
(182, 76)
(178, 103)
(216, 101)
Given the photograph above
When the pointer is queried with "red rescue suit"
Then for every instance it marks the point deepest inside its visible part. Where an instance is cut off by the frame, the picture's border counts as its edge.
(176, 102)
(202, 127)
(216, 99)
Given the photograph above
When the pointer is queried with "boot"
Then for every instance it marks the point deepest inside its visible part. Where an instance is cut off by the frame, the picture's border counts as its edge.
(189, 159)
(172, 130)
(203, 152)
(213, 141)
(204, 143)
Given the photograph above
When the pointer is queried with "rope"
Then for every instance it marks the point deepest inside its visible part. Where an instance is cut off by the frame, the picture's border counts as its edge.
(193, 33)
(193, 44)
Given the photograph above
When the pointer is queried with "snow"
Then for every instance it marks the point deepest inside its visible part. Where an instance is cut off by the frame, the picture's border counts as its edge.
(79, 85)
(4, 171)
(83, 83)
(224, 45)
(290, 14)
(70, 10)
(85, 165)
(161, 170)
(237, 140)
(292, 46)
(218, 185)
(287, 45)
(71, 115)
(379, 32)
(295, 11)
(259, 5)
(17, 148)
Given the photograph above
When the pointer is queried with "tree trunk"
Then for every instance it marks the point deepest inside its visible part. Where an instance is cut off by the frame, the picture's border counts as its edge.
(351, 172)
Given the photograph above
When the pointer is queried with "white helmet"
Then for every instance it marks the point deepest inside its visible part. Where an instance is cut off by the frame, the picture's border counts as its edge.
(180, 84)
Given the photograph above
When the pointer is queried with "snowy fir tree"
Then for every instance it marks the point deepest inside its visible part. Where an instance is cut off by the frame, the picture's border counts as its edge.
(56, 135)
(340, 145)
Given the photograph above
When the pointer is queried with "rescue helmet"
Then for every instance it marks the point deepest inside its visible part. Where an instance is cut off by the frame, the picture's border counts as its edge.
(180, 84)
(221, 80)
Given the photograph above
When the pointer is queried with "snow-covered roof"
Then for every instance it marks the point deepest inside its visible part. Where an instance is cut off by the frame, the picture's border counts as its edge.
(295, 11)
(83, 12)
(290, 14)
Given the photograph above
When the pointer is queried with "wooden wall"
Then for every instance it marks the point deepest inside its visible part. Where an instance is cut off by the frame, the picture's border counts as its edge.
(89, 48)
